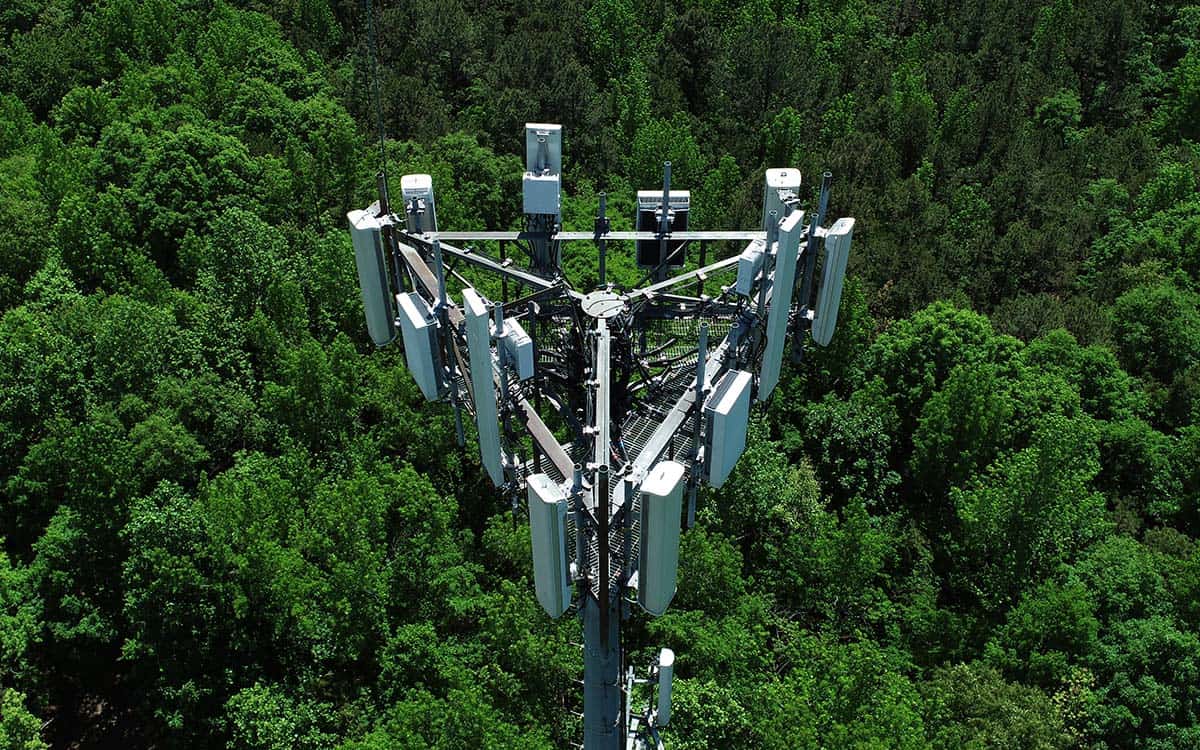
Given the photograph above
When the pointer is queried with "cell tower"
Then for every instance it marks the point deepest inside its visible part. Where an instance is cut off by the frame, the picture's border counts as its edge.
(603, 410)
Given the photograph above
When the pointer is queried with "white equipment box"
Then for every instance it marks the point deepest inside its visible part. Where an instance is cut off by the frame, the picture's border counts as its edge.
(518, 349)
(750, 262)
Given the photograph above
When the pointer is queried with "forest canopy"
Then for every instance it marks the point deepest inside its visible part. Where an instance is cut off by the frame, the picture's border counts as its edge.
(230, 521)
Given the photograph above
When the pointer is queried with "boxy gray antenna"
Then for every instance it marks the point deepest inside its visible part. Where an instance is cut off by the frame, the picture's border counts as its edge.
(651, 386)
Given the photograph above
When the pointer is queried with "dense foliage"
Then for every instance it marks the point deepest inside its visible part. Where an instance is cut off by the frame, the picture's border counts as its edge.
(972, 522)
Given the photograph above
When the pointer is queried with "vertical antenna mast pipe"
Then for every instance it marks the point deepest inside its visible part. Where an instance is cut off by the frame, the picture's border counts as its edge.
(580, 529)
(698, 431)
(602, 577)
(374, 54)
(387, 232)
(804, 299)
(767, 265)
(448, 345)
(810, 267)
(601, 242)
(664, 224)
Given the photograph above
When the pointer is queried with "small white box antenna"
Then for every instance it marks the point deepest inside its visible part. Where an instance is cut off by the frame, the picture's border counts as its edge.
(419, 327)
(548, 534)
(518, 349)
(750, 263)
(837, 252)
(420, 212)
(781, 185)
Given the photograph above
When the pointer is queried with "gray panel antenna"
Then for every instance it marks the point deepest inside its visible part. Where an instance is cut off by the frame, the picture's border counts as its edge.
(601, 408)
(483, 388)
(837, 252)
(787, 253)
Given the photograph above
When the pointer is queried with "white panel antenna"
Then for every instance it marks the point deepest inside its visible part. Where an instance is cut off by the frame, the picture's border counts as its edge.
(419, 209)
(518, 349)
(662, 500)
(542, 181)
(837, 252)
(373, 277)
(781, 184)
(666, 674)
(787, 253)
(483, 389)
(419, 327)
(548, 533)
(726, 413)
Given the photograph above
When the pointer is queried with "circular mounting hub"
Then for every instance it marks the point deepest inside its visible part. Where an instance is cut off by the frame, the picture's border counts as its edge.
(602, 304)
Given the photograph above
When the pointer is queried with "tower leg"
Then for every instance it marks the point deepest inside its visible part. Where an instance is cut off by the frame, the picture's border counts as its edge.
(602, 715)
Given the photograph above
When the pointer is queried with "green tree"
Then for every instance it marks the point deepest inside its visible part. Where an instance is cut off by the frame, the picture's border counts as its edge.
(972, 706)
(1043, 488)
(1157, 330)
(19, 729)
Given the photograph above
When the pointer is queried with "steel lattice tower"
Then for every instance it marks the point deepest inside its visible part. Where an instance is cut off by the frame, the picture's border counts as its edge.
(603, 410)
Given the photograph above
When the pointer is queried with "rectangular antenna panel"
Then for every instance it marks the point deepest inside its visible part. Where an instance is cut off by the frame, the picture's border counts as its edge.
(750, 262)
(658, 561)
(543, 148)
(371, 261)
(666, 674)
(420, 343)
(837, 252)
(787, 253)
(777, 181)
(518, 348)
(419, 186)
(649, 252)
(542, 183)
(483, 388)
(548, 533)
(726, 414)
